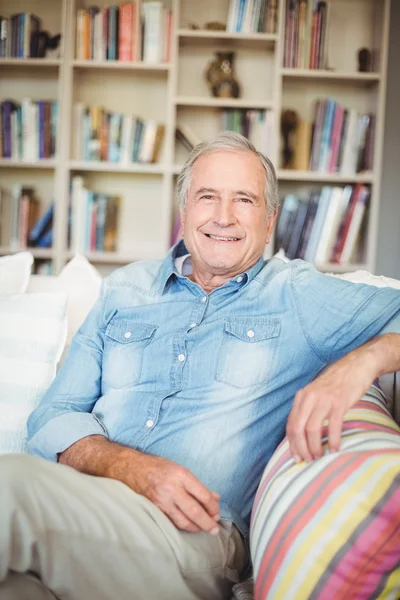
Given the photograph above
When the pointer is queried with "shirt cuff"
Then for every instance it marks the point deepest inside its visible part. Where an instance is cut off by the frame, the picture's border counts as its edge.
(63, 431)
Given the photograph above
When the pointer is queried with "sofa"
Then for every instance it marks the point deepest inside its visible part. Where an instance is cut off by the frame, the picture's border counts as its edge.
(328, 529)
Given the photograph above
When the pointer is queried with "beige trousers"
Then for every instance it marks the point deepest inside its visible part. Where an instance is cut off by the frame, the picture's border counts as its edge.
(71, 536)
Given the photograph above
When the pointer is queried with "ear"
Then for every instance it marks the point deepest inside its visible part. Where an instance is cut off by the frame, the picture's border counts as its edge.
(270, 226)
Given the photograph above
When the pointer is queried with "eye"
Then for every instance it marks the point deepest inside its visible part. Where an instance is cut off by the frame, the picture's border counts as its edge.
(247, 200)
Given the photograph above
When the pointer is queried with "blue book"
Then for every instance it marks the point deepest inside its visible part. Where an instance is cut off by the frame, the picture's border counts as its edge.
(53, 127)
(20, 28)
(41, 225)
(326, 135)
(239, 22)
(114, 140)
(46, 241)
(137, 140)
(113, 33)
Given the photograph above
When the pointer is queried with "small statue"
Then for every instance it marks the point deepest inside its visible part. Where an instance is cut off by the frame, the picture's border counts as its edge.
(219, 74)
(289, 124)
(364, 60)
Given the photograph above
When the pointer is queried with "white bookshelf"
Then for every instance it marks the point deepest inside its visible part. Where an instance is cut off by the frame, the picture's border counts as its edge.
(177, 92)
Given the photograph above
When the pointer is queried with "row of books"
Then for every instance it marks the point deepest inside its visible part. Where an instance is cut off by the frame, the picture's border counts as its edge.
(20, 37)
(343, 139)
(306, 34)
(257, 125)
(252, 16)
(132, 31)
(94, 219)
(28, 129)
(108, 136)
(326, 227)
(19, 211)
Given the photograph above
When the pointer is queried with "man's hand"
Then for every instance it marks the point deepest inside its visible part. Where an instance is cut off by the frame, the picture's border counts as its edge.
(335, 391)
(173, 488)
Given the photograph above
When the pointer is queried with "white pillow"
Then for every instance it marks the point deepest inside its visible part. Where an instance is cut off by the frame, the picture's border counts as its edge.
(369, 279)
(15, 271)
(80, 281)
(33, 330)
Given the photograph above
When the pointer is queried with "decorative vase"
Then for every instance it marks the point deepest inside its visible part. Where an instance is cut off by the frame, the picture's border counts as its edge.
(220, 77)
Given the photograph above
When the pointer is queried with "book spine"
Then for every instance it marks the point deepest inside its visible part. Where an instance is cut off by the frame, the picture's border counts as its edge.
(240, 17)
(6, 127)
(113, 33)
(41, 129)
(125, 31)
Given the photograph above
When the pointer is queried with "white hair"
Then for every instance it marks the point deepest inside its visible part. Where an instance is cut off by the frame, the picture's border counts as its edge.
(233, 142)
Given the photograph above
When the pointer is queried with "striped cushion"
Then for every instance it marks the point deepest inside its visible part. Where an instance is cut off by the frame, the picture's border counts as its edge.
(33, 329)
(331, 528)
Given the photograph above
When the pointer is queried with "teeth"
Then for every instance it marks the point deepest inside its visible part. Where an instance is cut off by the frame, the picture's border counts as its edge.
(222, 239)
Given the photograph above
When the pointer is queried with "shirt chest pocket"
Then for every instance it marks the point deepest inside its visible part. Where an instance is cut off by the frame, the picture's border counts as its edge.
(248, 353)
(124, 346)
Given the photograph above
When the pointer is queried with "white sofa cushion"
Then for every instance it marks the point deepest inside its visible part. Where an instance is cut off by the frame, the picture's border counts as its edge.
(33, 330)
(81, 282)
(15, 271)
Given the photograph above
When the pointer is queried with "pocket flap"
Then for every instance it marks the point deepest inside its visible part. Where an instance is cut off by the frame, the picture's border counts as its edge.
(255, 329)
(124, 331)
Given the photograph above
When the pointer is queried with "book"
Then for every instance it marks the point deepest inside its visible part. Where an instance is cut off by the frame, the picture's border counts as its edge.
(323, 205)
(187, 136)
(41, 226)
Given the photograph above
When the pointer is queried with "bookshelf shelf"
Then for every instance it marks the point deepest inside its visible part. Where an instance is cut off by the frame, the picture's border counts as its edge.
(121, 65)
(109, 167)
(20, 164)
(314, 176)
(321, 74)
(43, 253)
(221, 102)
(31, 62)
(247, 40)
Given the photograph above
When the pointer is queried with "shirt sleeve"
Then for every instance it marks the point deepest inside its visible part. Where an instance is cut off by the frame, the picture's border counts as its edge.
(336, 315)
(64, 413)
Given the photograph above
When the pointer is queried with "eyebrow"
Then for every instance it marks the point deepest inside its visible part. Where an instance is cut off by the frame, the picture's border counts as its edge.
(207, 190)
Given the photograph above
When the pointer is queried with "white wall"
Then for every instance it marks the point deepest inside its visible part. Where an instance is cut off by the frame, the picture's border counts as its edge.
(388, 253)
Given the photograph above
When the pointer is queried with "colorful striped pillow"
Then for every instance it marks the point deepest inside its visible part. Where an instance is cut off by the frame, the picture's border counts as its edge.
(331, 528)
(33, 329)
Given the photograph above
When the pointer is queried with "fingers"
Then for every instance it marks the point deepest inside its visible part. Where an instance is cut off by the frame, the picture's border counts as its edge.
(180, 520)
(305, 425)
(208, 499)
(196, 513)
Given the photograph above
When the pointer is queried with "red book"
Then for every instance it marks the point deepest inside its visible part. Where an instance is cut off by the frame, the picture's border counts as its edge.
(313, 38)
(317, 40)
(345, 225)
(104, 136)
(125, 36)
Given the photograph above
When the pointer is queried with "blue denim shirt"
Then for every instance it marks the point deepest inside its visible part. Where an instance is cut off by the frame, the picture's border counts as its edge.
(204, 380)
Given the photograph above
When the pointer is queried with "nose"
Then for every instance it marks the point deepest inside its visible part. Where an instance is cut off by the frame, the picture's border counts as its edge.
(224, 214)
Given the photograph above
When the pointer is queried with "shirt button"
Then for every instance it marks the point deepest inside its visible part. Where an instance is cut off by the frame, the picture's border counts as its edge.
(127, 335)
(239, 279)
(250, 333)
(192, 325)
(181, 357)
(204, 299)
(149, 424)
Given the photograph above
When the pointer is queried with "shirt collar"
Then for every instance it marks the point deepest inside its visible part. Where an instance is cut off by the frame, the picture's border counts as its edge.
(175, 258)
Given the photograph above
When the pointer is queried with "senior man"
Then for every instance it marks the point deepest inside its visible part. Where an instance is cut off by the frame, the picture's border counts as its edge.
(176, 391)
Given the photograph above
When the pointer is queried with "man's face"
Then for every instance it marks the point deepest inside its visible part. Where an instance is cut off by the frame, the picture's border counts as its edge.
(225, 223)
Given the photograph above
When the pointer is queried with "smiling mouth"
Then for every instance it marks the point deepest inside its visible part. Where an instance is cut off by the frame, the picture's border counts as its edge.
(222, 239)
